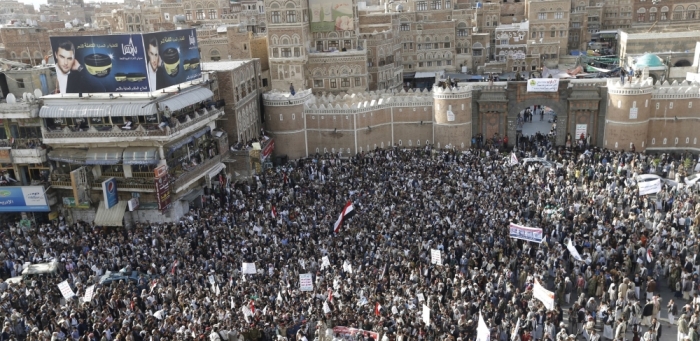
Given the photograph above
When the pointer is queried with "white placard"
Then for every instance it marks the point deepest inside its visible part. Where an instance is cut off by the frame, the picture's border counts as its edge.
(66, 291)
(421, 298)
(347, 267)
(435, 257)
(426, 315)
(248, 268)
(581, 129)
(543, 85)
(649, 187)
(325, 262)
(633, 113)
(544, 295)
(88, 293)
(326, 308)
(212, 281)
(574, 253)
(306, 282)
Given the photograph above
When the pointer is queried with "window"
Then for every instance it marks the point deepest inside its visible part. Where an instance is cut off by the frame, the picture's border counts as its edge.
(559, 15)
(297, 52)
(188, 15)
(421, 6)
(20, 83)
(358, 81)
(345, 82)
(447, 45)
(333, 44)
(291, 16)
(477, 52)
(576, 25)
(212, 14)
(503, 42)
(448, 4)
(405, 27)
(261, 9)
(553, 33)
(286, 52)
(200, 14)
(664, 16)
(640, 17)
(429, 64)
(449, 62)
(652, 16)
(333, 83)
(275, 17)
(542, 16)
(420, 64)
(436, 4)
(562, 33)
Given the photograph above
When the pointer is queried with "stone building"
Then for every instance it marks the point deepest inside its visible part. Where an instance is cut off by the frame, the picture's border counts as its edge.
(25, 44)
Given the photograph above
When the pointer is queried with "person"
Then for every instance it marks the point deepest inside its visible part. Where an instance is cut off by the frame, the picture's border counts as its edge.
(672, 312)
(165, 118)
(157, 76)
(71, 76)
(127, 124)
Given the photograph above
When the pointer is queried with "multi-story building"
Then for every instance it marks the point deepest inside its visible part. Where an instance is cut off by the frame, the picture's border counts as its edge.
(549, 23)
(25, 44)
(657, 15)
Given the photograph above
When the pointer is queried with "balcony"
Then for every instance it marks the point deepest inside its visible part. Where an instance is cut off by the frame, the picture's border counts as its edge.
(180, 127)
(195, 173)
(27, 156)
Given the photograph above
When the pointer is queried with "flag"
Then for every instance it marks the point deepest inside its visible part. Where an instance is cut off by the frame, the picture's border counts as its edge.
(172, 270)
(513, 159)
(514, 335)
(274, 212)
(482, 330)
(154, 283)
(650, 255)
(330, 295)
(573, 251)
(347, 213)
(377, 307)
(279, 298)
(251, 306)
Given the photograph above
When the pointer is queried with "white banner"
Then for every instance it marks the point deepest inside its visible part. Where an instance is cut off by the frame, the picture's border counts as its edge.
(248, 268)
(573, 251)
(531, 234)
(544, 295)
(325, 262)
(426, 315)
(306, 282)
(649, 187)
(347, 267)
(435, 257)
(66, 291)
(483, 333)
(88, 293)
(543, 85)
(514, 334)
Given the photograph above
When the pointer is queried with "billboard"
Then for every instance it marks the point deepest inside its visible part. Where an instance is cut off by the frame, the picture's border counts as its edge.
(162, 187)
(105, 63)
(172, 57)
(543, 85)
(23, 199)
(109, 192)
(331, 15)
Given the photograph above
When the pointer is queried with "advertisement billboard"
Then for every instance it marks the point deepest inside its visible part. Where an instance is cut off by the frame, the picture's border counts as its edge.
(81, 186)
(172, 57)
(23, 199)
(109, 192)
(105, 63)
(543, 85)
(162, 187)
(331, 15)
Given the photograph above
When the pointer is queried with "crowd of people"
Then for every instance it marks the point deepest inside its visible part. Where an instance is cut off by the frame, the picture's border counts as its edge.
(376, 275)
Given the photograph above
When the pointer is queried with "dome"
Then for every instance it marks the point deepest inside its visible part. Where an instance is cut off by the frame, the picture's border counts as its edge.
(650, 60)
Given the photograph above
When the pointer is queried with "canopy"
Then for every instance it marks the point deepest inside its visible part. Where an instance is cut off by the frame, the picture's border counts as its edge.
(187, 98)
(111, 217)
(140, 156)
(104, 156)
(76, 156)
(101, 110)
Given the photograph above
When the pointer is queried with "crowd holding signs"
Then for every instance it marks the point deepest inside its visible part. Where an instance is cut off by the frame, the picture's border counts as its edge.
(388, 245)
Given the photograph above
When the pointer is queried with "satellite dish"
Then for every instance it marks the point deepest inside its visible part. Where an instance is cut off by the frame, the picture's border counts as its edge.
(68, 25)
(30, 98)
(25, 96)
(11, 99)
(475, 29)
(38, 93)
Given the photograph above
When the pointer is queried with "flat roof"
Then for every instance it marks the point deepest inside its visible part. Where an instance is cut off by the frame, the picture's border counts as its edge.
(224, 65)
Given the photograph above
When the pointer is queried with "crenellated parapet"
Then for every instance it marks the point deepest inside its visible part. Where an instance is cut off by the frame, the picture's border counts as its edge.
(367, 101)
(276, 98)
(634, 88)
(676, 90)
(457, 92)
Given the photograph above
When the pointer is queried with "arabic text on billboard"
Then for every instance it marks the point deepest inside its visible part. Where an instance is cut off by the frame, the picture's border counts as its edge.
(331, 15)
(23, 199)
(162, 182)
(107, 63)
(543, 85)
(173, 57)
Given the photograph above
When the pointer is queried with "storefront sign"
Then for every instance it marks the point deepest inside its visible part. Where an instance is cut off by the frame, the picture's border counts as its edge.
(23, 199)
(162, 182)
(109, 192)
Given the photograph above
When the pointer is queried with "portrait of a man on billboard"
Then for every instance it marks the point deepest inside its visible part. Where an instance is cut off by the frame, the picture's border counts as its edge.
(71, 75)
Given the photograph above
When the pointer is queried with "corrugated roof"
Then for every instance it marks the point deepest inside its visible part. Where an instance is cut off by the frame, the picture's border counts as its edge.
(111, 217)
(187, 98)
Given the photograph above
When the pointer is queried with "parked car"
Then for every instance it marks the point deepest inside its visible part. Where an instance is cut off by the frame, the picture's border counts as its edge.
(691, 180)
(123, 275)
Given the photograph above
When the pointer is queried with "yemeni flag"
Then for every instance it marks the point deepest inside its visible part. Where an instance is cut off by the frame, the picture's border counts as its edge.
(330, 295)
(172, 270)
(347, 213)
(650, 256)
(251, 306)
(377, 307)
(273, 212)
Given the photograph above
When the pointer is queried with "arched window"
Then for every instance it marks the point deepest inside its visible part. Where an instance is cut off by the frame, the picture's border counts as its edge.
(129, 19)
(678, 13)
(215, 55)
(200, 12)
(692, 12)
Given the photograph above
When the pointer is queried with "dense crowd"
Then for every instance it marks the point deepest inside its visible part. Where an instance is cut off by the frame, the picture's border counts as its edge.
(407, 203)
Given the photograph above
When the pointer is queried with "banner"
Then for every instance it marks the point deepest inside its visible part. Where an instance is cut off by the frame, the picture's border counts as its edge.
(95, 64)
(483, 333)
(23, 199)
(435, 257)
(325, 262)
(347, 333)
(66, 291)
(172, 57)
(573, 251)
(248, 268)
(544, 295)
(530, 234)
(649, 187)
(426, 315)
(543, 85)
(514, 334)
(88, 293)
(331, 15)
(306, 282)
(513, 159)
(109, 192)
(162, 187)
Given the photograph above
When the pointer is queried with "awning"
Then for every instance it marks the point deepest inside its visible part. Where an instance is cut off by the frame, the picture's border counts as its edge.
(76, 156)
(111, 217)
(193, 194)
(201, 132)
(425, 75)
(75, 111)
(140, 156)
(134, 109)
(216, 170)
(186, 98)
(104, 156)
(177, 145)
(408, 75)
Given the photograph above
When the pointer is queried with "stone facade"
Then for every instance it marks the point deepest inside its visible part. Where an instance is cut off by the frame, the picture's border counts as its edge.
(615, 116)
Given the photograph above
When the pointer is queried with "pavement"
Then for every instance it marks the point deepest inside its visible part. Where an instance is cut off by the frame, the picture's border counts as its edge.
(531, 128)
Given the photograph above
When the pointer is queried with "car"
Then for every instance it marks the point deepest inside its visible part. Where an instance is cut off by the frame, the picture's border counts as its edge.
(653, 177)
(691, 180)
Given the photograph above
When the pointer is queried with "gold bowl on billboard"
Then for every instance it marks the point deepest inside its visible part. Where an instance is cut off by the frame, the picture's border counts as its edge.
(135, 77)
(171, 61)
(98, 65)
(120, 77)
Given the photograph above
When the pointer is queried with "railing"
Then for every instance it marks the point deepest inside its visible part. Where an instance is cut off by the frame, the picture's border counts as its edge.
(139, 131)
(143, 175)
(61, 183)
(113, 174)
(196, 172)
(127, 183)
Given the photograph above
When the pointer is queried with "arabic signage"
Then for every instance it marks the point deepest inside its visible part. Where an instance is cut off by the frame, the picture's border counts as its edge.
(649, 187)
(543, 85)
(347, 333)
(162, 187)
(267, 151)
(109, 192)
(331, 15)
(531, 234)
(106, 63)
(173, 57)
(23, 199)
